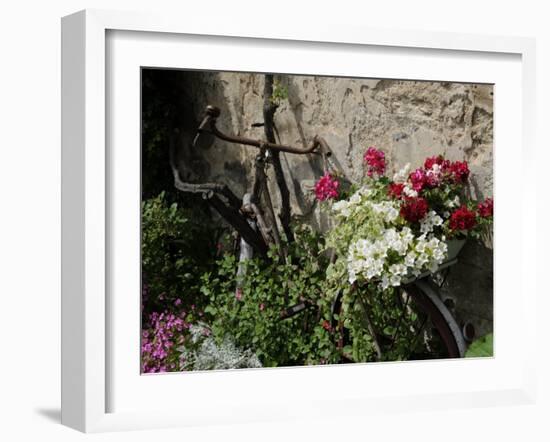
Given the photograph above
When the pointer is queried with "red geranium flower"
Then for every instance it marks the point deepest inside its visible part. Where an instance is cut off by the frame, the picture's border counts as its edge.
(462, 219)
(485, 209)
(414, 209)
(376, 161)
(430, 161)
(395, 190)
(459, 171)
(327, 187)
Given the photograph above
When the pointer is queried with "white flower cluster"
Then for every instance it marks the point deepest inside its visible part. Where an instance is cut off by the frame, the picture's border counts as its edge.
(402, 176)
(411, 256)
(451, 204)
(389, 210)
(346, 208)
(430, 221)
(409, 191)
(381, 247)
(368, 258)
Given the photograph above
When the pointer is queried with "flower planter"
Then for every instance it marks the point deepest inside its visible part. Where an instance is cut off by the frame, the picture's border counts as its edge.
(454, 246)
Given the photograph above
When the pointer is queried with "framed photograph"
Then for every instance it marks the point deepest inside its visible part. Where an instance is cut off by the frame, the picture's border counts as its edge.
(287, 223)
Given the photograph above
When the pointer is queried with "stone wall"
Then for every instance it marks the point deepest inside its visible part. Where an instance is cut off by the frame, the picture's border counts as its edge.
(408, 120)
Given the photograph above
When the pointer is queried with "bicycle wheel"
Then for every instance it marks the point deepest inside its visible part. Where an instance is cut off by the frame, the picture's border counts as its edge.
(419, 327)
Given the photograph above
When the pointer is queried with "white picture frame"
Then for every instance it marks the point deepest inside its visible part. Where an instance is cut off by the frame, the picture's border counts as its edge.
(86, 356)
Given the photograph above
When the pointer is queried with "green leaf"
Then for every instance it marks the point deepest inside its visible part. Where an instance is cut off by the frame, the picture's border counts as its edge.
(481, 348)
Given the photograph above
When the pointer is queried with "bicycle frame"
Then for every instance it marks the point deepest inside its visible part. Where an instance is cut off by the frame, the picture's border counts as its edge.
(227, 204)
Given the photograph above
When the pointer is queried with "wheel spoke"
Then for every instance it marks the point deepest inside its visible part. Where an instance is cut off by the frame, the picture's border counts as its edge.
(370, 326)
(400, 321)
(418, 333)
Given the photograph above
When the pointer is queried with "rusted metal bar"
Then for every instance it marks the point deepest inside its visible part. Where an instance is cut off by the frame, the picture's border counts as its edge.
(264, 229)
(325, 152)
(236, 219)
(208, 125)
(260, 189)
(295, 309)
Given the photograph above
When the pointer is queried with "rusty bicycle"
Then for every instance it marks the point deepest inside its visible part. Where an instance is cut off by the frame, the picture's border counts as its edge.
(424, 315)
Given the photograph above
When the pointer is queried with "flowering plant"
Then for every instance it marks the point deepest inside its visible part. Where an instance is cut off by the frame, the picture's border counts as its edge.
(390, 230)
(385, 233)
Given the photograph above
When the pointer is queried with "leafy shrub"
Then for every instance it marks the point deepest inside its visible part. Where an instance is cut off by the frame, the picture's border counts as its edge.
(251, 313)
(177, 246)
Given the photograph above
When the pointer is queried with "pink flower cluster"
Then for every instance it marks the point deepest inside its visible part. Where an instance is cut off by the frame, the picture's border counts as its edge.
(375, 160)
(327, 187)
(164, 332)
(436, 171)
(418, 179)
(485, 209)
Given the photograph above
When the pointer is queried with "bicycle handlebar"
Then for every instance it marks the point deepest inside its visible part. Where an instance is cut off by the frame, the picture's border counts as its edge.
(208, 125)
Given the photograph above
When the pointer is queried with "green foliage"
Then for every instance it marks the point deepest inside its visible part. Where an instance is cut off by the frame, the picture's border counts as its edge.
(279, 94)
(251, 313)
(177, 247)
(481, 347)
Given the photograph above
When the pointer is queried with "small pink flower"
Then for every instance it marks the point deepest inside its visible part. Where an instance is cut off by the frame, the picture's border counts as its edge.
(262, 307)
(239, 294)
(485, 209)
(418, 179)
(177, 302)
(327, 187)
